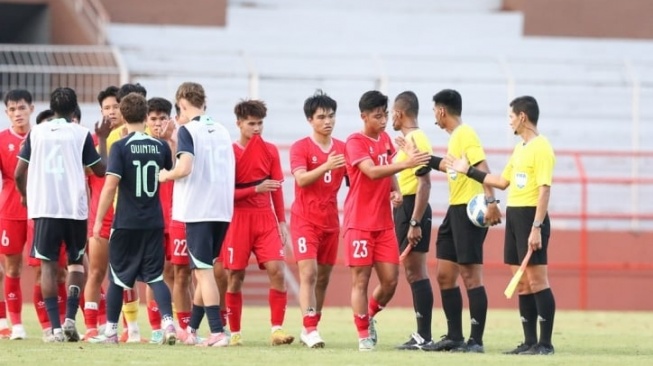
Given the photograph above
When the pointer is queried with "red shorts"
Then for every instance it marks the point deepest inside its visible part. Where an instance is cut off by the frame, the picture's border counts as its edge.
(107, 221)
(252, 231)
(176, 251)
(14, 236)
(365, 248)
(312, 242)
(33, 262)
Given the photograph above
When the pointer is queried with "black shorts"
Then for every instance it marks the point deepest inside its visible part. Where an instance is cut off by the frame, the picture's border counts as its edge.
(459, 240)
(49, 234)
(519, 223)
(204, 242)
(136, 255)
(402, 216)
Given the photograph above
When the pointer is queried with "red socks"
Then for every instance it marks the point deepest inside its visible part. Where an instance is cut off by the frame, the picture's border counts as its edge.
(183, 317)
(154, 315)
(39, 306)
(278, 301)
(234, 302)
(14, 299)
(374, 307)
(223, 316)
(362, 322)
(310, 322)
(102, 308)
(62, 299)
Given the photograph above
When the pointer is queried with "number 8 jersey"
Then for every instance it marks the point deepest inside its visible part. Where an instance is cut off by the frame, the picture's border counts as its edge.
(317, 202)
(207, 193)
(57, 152)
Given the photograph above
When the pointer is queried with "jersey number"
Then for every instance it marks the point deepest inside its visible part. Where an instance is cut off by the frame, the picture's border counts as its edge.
(143, 177)
(5, 239)
(180, 248)
(231, 255)
(383, 159)
(327, 177)
(301, 245)
(216, 155)
(360, 248)
(54, 163)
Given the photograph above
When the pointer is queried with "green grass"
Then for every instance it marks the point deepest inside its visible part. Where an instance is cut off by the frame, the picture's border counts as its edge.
(581, 338)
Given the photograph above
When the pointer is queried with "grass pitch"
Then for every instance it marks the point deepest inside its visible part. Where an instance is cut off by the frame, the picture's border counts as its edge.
(580, 338)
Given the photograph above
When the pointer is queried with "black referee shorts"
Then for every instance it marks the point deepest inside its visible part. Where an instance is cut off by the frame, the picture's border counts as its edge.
(459, 240)
(402, 216)
(519, 223)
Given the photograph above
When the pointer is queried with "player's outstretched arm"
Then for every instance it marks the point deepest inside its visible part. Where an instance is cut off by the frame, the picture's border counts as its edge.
(373, 171)
(493, 215)
(182, 169)
(462, 166)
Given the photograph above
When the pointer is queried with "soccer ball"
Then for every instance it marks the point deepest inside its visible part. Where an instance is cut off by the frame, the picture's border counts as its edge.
(476, 209)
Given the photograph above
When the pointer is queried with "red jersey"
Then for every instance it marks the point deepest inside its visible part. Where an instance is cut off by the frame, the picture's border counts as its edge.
(95, 185)
(367, 206)
(10, 206)
(165, 196)
(255, 163)
(317, 202)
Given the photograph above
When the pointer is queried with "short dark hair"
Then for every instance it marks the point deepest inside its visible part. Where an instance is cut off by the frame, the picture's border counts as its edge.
(159, 105)
(16, 95)
(250, 108)
(527, 105)
(450, 100)
(111, 91)
(77, 114)
(126, 89)
(133, 108)
(319, 100)
(63, 102)
(44, 115)
(372, 100)
(408, 103)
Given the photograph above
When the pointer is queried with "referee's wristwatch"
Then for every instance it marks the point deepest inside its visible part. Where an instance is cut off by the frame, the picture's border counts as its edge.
(489, 200)
(537, 224)
(414, 223)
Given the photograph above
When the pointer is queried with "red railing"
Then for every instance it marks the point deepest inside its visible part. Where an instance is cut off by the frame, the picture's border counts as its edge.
(583, 215)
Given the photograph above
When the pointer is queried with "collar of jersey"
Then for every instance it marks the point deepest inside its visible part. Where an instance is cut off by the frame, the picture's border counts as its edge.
(203, 119)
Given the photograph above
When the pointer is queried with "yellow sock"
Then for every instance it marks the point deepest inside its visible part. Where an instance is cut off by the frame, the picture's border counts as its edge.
(174, 311)
(130, 311)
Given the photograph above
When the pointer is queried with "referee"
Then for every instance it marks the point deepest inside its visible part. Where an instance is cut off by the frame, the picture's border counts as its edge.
(529, 174)
(459, 245)
(413, 219)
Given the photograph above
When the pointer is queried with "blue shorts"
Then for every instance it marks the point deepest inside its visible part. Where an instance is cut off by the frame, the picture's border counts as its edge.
(204, 242)
(136, 255)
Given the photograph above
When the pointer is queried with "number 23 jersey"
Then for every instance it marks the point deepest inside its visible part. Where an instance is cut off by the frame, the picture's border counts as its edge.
(367, 206)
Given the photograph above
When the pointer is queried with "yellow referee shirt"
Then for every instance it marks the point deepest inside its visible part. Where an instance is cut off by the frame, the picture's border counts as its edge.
(464, 142)
(530, 167)
(114, 136)
(406, 178)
